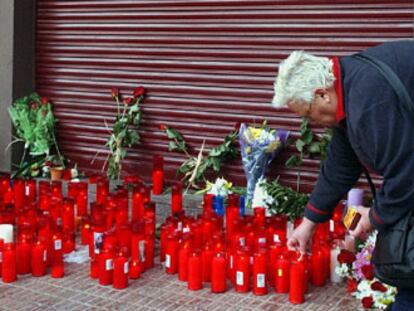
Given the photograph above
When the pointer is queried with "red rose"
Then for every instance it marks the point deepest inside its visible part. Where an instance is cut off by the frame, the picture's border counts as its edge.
(139, 91)
(163, 127)
(346, 257)
(368, 272)
(44, 100)
(128, 101)
(351, 285)
(114, 93)
(378, 286)
(367, 302)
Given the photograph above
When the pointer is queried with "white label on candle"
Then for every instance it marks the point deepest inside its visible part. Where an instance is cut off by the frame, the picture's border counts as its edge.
(239, 278)
(27, 190)
(261, 280)
(331, 225)
(108, 265)
(167, 261)
(141, 247)
(1, 256)
(44, 255)
(262, 240)
(180, 226)
(58, 245)
(231, 261)
(126, 267)
(97, 241)
(276, 238)
(59, 221)
(186, 229)
(242, 241)
(251, 260)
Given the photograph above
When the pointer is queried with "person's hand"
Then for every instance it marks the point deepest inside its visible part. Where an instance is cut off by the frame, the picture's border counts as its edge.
(301, 236)
(364, 226)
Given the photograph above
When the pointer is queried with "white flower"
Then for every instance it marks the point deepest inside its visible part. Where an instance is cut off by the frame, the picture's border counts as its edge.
(221, 187)
(261, 197)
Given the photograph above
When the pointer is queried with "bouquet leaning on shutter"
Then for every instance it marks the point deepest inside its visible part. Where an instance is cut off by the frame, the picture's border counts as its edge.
(259, 146)
(34, 123)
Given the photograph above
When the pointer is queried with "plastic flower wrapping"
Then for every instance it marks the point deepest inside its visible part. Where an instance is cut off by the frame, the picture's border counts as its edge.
(261, 198)
(361, 282)
(259, 146)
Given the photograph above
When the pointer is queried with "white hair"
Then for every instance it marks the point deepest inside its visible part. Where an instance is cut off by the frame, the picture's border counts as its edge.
(299, 76)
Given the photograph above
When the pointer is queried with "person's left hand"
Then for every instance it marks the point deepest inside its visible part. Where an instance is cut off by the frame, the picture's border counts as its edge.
(364, 226)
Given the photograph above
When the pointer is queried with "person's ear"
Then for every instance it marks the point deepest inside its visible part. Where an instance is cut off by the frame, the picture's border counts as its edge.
(323, 95)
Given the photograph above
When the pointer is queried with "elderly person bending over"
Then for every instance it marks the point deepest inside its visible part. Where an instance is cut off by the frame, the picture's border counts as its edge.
(370, 129)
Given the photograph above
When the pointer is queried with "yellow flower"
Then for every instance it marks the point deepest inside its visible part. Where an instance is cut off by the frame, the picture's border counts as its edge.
(255, 132)
(273, 146)
(248, 149)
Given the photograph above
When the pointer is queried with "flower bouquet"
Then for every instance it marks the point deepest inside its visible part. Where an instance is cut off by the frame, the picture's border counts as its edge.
(34, 122)
(259, 146)
(361, 282)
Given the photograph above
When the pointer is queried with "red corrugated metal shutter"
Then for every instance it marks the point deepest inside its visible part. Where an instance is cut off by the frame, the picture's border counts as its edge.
(206, 65)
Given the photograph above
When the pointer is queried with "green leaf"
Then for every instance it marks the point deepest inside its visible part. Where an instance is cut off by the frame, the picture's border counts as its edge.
(315, 148)
(294, 160)
(299, 145)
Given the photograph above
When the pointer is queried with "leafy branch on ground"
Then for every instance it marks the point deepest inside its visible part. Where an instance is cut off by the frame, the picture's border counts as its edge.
(194, 168)
(122, 135)
(286, 200)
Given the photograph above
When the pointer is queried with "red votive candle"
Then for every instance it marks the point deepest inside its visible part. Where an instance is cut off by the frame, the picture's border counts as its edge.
(19, 193)
(157, 174)
(38, 259)
(121, 267)
(206, 259)
(23, 251)
(183, 256)
(149, 252)
(318, 274)
(30, 190)
(105, 259)
(297, 282)
(94, 268)
(102, 191)
(58, 269)
(1, 249)
(68, 215)
(208, 204)
(171, 254)
(85, 231)
(282, 274)
(176, 198)
(137, 201)
(194, 272)
(242, 270)
(274, 251)
(218, 273)
(82, 202)
(73, 190)
(134, 269)
(9, 272)
(259, 273)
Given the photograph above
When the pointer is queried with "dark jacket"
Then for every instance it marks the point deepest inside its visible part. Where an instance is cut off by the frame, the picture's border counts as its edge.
(376, 133)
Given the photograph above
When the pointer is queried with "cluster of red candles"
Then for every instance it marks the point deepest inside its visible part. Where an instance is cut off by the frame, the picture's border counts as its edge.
(249, 252)
(45, 228)
(121, 244)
